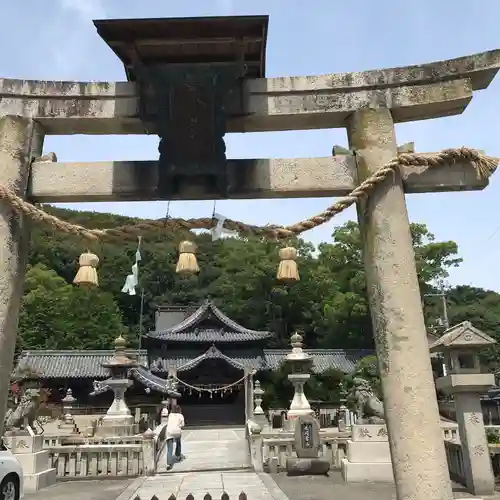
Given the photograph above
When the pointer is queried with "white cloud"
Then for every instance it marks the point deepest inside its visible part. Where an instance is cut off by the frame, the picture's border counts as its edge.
(69, 35)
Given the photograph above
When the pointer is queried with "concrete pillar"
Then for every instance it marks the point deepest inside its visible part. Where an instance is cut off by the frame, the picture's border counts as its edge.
(477, 463)
(416, 440)
(20, 139)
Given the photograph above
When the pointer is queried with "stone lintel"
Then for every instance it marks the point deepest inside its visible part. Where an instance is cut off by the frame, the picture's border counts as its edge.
(270, 104)
(263, 178)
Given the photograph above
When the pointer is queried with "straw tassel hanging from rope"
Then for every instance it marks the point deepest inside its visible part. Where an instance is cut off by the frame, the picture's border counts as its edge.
(87, 273)
(187, 263)
(288, 270)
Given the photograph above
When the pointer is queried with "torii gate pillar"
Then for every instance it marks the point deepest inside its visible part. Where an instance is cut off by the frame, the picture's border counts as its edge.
(415, 436)
(21, 138)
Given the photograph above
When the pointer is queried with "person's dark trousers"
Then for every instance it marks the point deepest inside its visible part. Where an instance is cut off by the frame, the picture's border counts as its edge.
(178, 448)
(170, 449)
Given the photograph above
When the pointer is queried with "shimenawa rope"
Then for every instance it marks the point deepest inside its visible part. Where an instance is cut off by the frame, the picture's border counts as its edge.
(484, 166)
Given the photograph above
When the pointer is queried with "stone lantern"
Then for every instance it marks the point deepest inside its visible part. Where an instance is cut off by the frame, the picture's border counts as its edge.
(301, 364)
(258, 413)
(118, 419)
(460, 346)
(68, 402)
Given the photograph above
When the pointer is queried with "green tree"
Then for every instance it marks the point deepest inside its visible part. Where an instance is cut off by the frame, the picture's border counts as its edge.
(328, 304)
(56, 315)
(346, 316)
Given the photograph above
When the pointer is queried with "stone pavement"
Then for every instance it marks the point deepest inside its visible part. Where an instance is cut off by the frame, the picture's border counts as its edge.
(108, 489)
(256, 486)
(334, 488)
(212, 449)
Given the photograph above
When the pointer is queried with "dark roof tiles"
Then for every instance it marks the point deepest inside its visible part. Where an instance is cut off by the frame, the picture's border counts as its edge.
(191, 329)
(87, 364)
(72, 364)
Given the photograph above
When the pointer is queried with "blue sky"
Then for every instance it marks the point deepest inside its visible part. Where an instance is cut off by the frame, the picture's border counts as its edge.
(56, 40)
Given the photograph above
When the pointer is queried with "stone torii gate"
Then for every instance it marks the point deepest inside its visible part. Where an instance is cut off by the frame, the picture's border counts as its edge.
(367, 103)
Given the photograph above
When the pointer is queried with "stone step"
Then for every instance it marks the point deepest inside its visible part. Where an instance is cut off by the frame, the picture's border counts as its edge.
(222, 449)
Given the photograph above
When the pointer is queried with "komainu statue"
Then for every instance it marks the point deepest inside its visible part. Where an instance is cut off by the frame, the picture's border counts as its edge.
(25, 413)
(369, 408)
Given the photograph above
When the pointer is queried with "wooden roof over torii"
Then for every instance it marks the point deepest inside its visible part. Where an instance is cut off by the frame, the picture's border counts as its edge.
(188, 40)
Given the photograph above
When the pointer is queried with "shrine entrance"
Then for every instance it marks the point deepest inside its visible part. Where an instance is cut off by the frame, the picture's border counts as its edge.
(213, 394)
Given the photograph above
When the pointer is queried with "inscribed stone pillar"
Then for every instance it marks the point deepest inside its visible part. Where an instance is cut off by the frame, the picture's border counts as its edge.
(20, 139)
(416, 440)
(477, 463)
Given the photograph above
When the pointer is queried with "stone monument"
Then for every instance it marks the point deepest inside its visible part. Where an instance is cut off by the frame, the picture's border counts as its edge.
(461, 345)
(307, 446)
(368, 454)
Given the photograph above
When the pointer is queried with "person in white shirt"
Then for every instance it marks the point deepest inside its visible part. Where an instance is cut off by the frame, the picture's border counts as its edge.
(174, 431)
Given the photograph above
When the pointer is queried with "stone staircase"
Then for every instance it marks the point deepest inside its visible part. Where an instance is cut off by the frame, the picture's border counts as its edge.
(207, 449)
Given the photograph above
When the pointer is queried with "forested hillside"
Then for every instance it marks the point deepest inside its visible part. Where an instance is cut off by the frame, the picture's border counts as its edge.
(328, 304)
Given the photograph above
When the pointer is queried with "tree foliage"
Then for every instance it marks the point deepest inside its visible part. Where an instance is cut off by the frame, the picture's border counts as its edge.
(329, 304)
(56, 315)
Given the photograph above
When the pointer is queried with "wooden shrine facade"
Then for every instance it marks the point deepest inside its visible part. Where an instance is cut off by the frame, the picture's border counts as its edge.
(214, 359)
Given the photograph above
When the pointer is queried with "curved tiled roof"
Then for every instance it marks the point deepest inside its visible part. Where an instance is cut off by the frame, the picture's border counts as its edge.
(72, 363)
(87, 364)
(188, 330)
(212, 353)
(266, 359)
(323, 359)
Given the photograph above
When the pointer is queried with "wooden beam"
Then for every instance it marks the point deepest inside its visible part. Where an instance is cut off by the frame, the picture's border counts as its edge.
(53, 182)
(185, 41)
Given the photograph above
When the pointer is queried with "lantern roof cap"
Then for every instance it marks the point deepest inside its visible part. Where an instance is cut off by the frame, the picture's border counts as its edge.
(462, 336)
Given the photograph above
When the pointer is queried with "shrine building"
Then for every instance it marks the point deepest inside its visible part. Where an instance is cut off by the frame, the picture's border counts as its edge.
(211, 357)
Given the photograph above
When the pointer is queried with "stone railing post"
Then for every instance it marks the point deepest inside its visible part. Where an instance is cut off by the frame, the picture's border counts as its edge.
(148, 453)
(416, 441)
(257, 449)
(21, 139)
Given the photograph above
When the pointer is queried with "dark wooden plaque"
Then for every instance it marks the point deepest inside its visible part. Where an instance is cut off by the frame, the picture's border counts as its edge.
(306, 430)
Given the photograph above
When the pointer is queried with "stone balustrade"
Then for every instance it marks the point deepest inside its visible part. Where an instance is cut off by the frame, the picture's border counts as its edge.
(278, 445)
(455, 461)
(76, 458)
